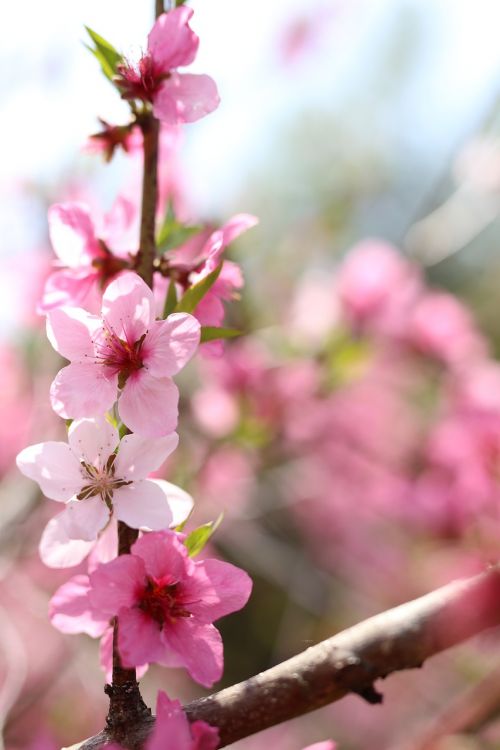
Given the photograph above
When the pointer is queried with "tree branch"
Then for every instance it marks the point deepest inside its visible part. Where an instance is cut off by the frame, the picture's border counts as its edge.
(126, 705)
(349, 662)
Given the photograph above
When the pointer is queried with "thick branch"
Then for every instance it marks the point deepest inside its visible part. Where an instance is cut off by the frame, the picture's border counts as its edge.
(349, 662)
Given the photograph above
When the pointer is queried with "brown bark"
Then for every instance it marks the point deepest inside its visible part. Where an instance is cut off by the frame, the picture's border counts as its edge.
(349, 662)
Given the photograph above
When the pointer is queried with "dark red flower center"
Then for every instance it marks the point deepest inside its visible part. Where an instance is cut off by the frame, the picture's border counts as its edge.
(121, 356)
(162, 602)
(141, 81)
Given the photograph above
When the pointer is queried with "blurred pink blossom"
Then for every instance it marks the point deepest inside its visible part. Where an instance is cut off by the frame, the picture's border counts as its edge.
(176, 97)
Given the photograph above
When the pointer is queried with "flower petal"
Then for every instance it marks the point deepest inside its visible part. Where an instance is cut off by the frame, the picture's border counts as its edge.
(171, 729)
(81, 390)
(128, 307)
(139, 456)
(70, 331)
(115, 584)
(200, 648)
(142, 504)
(71, 288)
(170, 344)
(180, 502)
(84, 519)
(54, 467)
(93, 440)
(149, 405)
(70, 610)
(138, 638)
(185, 98)
(72, 234)
(171, 42)
(217, 589)
(57, 550)
(163, 555)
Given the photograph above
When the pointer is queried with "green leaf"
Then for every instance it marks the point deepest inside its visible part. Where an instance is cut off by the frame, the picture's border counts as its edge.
(172, 233)
(195, 294)
(196, 540)
(170, 299)
(211, 333)
(105, 53)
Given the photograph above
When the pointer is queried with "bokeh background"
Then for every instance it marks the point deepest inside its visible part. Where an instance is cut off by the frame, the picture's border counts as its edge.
(352, 437)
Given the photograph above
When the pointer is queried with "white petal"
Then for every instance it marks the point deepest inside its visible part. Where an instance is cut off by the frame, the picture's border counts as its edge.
(54, 467)
(57, 550)
(181, 503)
(84, 519)
(139, 456)
(93, 440)
(143, 504)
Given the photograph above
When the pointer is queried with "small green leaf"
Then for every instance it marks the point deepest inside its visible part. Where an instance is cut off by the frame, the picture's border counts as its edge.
(196, 540)
(170, 299)
(211, 333)
(106, 54)
(195, 294)
(172, 232)
(177, 236)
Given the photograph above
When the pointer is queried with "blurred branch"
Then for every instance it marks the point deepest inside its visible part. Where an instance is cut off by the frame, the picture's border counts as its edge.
(467, 713)
(349, 662)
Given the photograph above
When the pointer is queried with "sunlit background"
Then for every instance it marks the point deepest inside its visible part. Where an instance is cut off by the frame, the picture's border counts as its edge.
(354, 450)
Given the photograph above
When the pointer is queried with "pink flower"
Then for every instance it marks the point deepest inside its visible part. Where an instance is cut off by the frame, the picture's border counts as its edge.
(111, 137)
(176, 97)
(196, 259)
(98, 476)
(166, 603)
(89, 264)
(327, 745)
(125, 349)
(442, 327)
(378, 288)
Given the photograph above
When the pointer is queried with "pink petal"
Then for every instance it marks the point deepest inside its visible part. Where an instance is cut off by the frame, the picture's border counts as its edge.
(180, 502)
(70, 331)
(72, 234)
(128, 307)
(54, 467)
(223, 237)
(149, 405)
(217, 589)
(71, 288)
(115, 584)
(328, 745)
(93, 440)
(139, 456)
(170, 344)
(185, 98)
(70, 610)
(105, 547)
(57, 550)
(199, 646)
(171, 730)
(171, 42)
(163, 555)
(204, 736)
(138, 638)
(84, 519)
(142, 504)
(106, 657)
(81, 390)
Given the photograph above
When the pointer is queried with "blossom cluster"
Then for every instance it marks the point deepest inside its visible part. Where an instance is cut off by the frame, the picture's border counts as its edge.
(117, 394)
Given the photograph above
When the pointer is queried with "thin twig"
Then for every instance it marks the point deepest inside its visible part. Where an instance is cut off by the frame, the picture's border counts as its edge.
(349, 662)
